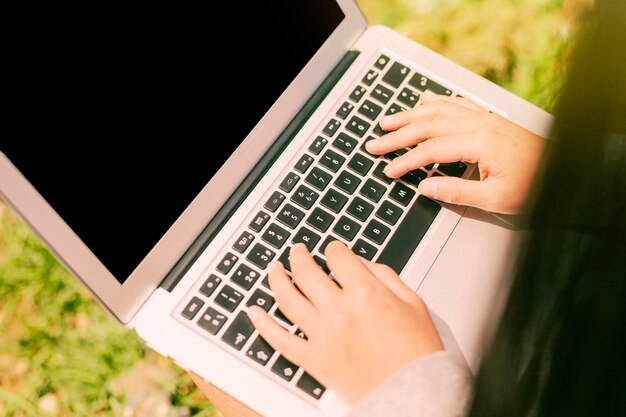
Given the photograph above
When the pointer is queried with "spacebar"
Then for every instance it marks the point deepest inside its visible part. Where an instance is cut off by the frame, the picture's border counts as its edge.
(409, 233)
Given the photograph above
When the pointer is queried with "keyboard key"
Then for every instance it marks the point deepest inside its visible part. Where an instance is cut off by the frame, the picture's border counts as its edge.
(389, 212)
(360, 164)
(192, 308)
(414, 177)
(302, 166)
(239, 331)
(394, 108)
(275, 200)
(331, 127)
(401, 194)
(318, 144)
(396, 74)
(289, 182)
(212, 320)
(376, 231)
(334, 200)
(322, 263)
(453, 169)
(320, 219)
(284, 369)
(382, 93)
(245, 276)
(370, 77)
(373, 190)
(260, 256)
(344, 110)
(347, 182)
(290, 216)
(332, 160)
(266, 282)
(276, 235)
(382, 62)
(284, 259)
(280, 315)
(346, 228)
(328, 239)
(357, 126)
(318, 178)
(379, 130)
(408, 97)
(370, 110)
(364, 249)
(306, 236)
(262, 299)
(396, 153)
(363, 146)
(243, 242)
(210, 285)
(227, 263)
(260, 351)
(423, 83)
(309, 385)
(357, 93)
(259, 221)
(304, 197)
(345, 143)
(379, 172)
(360, 209)
(229, 298)
(410, 232)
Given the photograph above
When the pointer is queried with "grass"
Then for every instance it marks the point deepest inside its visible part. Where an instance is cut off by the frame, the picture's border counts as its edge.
(62, 355)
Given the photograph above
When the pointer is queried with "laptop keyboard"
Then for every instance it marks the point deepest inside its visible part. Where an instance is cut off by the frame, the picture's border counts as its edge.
(333, 190)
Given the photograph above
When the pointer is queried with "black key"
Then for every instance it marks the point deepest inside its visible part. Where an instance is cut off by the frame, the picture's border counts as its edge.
(389, 212)
(229, 298)
(414, 177)
(396, 74)
(408, 97)
(410, 232)
(393, 109)
(322, 263)
(260, 256)
(429, 166)
(423, 83)
(363, 146)
(453, 169)
(331, 127)
(239, 331)
(347, 182)
(308, 237)
(300, 334)
(376, 231)
(243, 242)
(227, 263)
(379, 172)
(290, 216)
(262, 299)
(345, 143)
(344, 110)
(382, 93)
(192, 308)
(284, 259)
(328, 239)
(318, 144)
(212, 320)
(360, 164)
(401, 194)
(259, 221)
(334, 200)
(304, 197)
(260, 351)
(319, 178)
(364, 249)
(394, 154)
(346, 228)
(332, 160)
(379, 130)
(357, 93)
(303, 164)
(245, 276)
(289, 182)
(373, 190)
(266, 281)
(357, 126)
(276, 235)
(360, 209)
(275, 200)
(281, 316)
(320, 219)
(370, 77)
(309, 385)
(381, 62)
(210, 285)
(284, 369)
(370, 110)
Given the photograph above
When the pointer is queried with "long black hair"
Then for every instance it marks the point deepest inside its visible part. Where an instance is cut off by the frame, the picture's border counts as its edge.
(560, 346)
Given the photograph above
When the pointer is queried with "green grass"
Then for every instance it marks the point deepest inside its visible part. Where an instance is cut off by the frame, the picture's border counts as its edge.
(62, 355)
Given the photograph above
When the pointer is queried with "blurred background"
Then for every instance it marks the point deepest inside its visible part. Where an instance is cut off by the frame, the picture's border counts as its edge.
(62, 355)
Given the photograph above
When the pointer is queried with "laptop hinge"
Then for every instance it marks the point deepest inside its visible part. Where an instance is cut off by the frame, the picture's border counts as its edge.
(255, 175)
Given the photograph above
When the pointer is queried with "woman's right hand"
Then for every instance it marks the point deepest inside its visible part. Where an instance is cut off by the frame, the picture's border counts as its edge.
(451, 129)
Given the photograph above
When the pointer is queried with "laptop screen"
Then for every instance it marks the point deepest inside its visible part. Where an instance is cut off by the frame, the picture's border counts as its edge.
(125, 115)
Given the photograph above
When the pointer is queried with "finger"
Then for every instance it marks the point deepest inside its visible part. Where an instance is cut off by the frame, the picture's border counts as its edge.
(314, 283)
(459, 191)
(391, 280)
(428, 97)
(462, 147)
(295, 306)
(346, 266)
(291, 346)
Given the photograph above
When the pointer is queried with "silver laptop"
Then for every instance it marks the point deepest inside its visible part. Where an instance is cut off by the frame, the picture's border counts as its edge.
(174, 239)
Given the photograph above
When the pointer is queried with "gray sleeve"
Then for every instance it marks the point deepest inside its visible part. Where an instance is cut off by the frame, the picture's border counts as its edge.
(437, 385)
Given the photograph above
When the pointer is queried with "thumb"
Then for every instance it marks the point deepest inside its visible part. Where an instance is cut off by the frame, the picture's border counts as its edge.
(457, 191)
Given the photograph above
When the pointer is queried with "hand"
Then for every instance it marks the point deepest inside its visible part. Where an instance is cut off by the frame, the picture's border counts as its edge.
(358, 332)
(450, 129)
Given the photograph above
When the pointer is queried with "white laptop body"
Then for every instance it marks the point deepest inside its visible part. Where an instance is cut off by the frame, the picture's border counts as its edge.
(457, 267)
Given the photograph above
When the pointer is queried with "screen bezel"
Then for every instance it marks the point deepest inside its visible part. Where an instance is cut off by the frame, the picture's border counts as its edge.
(124, 300)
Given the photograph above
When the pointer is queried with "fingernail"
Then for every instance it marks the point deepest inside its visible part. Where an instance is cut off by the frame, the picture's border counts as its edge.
(372, 144)
(253, 314)
(388, 167)
(428, 188)
(271, 266)
(387, 119)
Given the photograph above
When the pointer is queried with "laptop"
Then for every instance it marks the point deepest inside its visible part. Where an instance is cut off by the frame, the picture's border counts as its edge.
(178, 161)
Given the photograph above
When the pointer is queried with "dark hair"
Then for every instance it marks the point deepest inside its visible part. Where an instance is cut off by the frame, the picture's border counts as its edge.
(559, 348)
